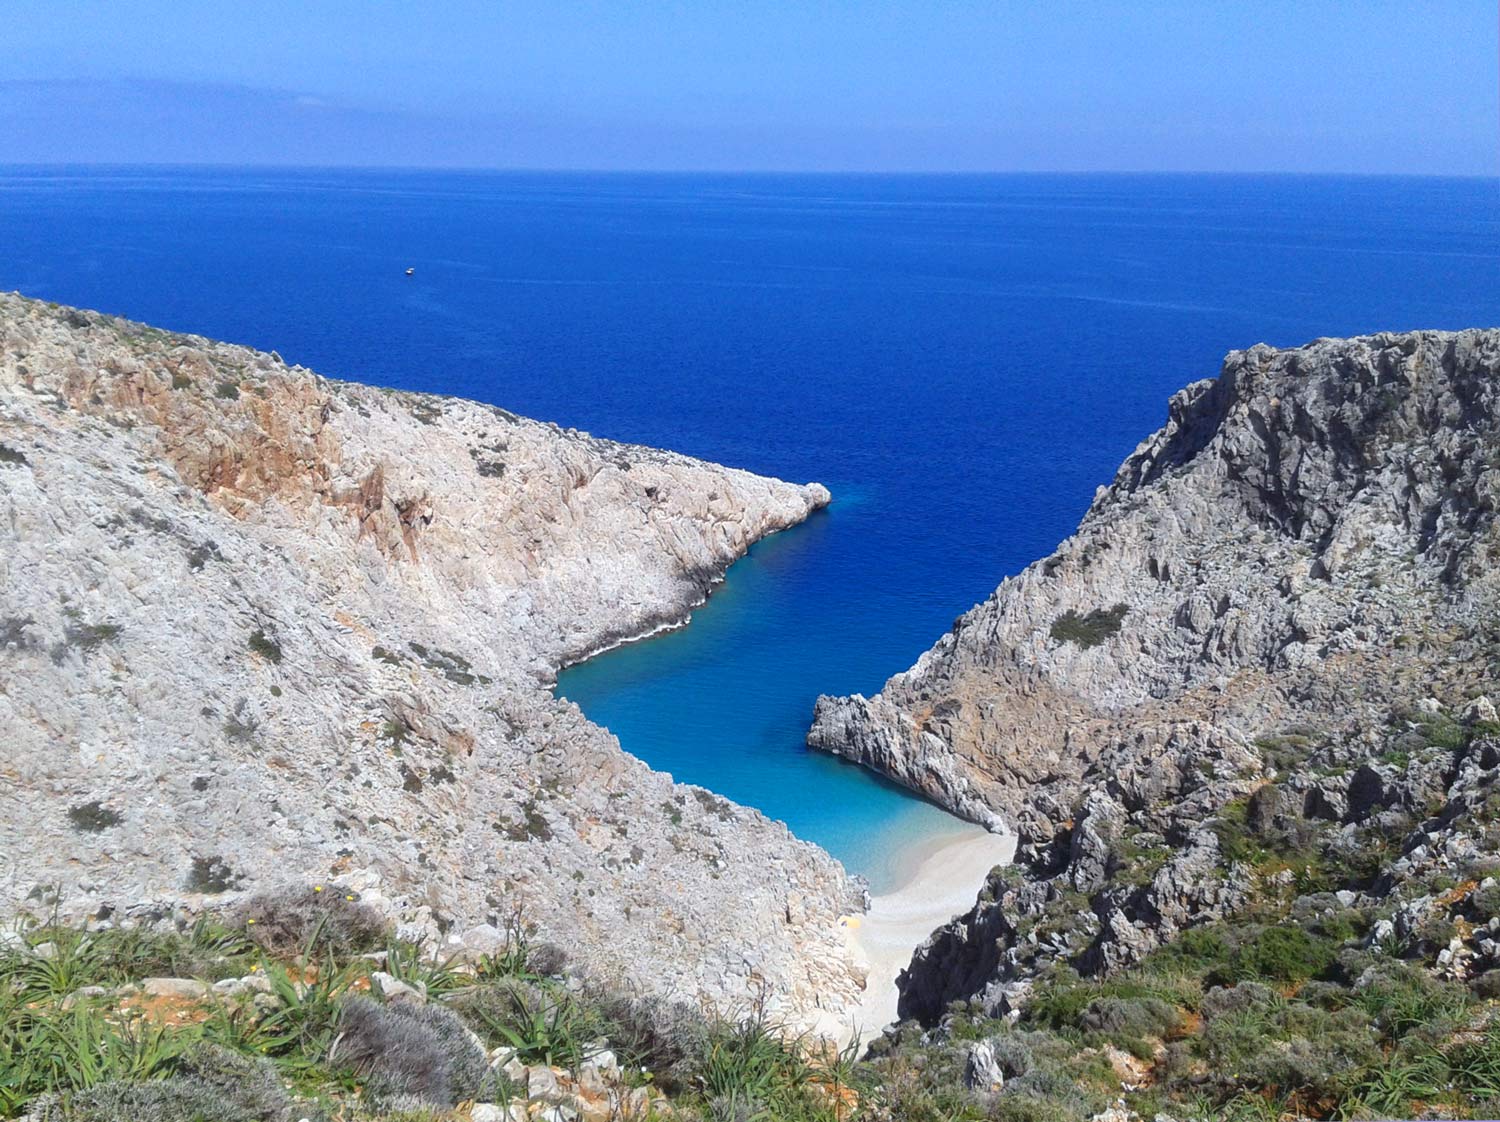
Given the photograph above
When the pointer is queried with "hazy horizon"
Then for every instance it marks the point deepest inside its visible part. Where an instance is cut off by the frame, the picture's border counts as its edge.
(748, 172)
(894, 87)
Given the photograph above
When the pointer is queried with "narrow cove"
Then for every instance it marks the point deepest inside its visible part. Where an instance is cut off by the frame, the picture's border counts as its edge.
(724, 703)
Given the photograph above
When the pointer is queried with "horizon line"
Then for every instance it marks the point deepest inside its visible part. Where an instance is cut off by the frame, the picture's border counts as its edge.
(503, 169)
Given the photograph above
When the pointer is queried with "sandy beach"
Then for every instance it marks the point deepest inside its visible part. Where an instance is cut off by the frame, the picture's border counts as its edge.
(946, 874)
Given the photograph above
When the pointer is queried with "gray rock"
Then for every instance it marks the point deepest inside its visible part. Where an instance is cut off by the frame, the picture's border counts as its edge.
(250, 983)
(1247, 591)
(483, 939)
(982, 1070)
(83, 993)
(1481, 709)
(1200, 567)
(542, 1084)
(394, 989)
(185, 988)
(271, 627)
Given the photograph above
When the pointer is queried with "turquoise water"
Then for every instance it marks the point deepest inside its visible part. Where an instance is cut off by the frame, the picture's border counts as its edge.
(683, 701)
(960, 359)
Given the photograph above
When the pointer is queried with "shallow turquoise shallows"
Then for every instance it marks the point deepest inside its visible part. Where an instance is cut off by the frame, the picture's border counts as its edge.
(725, 703)
(960, 359)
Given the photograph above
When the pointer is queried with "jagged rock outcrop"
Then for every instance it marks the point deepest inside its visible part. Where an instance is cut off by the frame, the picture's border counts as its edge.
(1306, 544)
(259, 626)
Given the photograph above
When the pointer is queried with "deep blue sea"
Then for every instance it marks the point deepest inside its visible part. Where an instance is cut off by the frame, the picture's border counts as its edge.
(962, 360)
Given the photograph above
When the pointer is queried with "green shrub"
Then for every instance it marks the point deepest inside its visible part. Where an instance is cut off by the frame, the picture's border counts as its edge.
(1088, 630)
(211, 876)
(115, 956)
(1401, 998)
(1253, 1037)
(45, 1049)
(1131, 1023)
(1238, 843)
(85, 637)
(1442, 732)
(1280, 954)
(753, 1061)
(1147, 997)
(93, 817)
(422, 968)
(1197, 948)
(265, 646)
(542, 1021)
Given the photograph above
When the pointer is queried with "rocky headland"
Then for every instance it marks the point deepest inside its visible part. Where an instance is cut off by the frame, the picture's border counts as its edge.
(279, 650)
(259, 627)
(1242, 710)
(1297, 539)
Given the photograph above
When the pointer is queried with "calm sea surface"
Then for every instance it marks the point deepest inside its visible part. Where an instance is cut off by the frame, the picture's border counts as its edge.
(962, 360)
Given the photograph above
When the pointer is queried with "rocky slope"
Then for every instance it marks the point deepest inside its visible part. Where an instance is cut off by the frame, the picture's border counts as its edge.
(1289, 577)
(259, 626)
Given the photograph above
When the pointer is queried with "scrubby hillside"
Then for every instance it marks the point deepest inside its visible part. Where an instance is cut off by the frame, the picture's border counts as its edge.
(307, 1006)
(257, 626)
(1240, 721)
(1311, 533)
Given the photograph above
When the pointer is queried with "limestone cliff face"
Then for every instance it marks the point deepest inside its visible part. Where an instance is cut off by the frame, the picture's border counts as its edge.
(1310, 539)
(1298, 535)
(258, 626)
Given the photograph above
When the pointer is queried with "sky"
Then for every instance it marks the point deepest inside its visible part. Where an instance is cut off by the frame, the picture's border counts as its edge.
(1362, 86)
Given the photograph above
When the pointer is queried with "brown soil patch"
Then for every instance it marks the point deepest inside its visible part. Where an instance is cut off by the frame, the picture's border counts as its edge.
(169, 1012)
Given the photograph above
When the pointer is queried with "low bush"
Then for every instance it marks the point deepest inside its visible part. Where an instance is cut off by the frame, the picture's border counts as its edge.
(311, 921)
(662, 1037)
(1401, 998)
(1281, 954)
(753, 1062)
(409, 1054)
(93, 817)
(265, 646)
(1254, 1037)
(1131, 1023)
(1090, 629)
(218, 1085)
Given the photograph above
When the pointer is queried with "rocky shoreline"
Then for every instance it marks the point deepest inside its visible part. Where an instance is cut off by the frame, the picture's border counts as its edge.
(1301, 557)
(259, 629)
(259, 626)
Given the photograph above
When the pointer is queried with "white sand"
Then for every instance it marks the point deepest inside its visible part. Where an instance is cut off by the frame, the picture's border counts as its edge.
(947, 875)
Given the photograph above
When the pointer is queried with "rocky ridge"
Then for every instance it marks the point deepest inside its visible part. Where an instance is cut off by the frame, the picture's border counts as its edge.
(1288, 589)
(258, 626)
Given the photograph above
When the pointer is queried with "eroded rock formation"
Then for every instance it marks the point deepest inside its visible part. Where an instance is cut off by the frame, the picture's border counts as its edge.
(259, 626)
(1307, 545)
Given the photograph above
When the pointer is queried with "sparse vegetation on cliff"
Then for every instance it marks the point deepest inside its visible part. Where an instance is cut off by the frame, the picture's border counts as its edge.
(286, 626)
(1341, 961)
(1091, 628)
(304, 1005)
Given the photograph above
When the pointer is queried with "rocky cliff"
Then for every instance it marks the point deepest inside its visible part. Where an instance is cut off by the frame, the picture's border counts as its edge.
(258, 627)
(1299, 559)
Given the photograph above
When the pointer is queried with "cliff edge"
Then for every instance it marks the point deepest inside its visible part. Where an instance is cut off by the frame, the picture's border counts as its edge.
(257, 626)
(1301, 556)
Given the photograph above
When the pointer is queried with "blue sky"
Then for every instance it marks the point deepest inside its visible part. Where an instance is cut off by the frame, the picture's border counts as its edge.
(878, 85)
